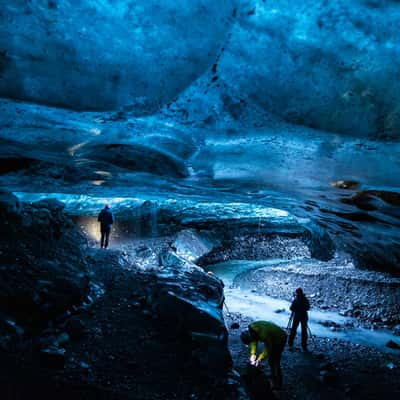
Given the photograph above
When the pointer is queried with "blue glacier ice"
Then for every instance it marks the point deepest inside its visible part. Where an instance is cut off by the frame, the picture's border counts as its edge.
(86, 54)
(284, 105)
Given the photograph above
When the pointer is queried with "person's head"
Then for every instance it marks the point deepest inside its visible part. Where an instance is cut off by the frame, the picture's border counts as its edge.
(107, 206)
(299, 292)
(247, 336)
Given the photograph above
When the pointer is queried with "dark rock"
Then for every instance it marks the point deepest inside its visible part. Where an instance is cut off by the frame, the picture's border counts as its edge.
(319, 242)
(84, 365)
(169, 259)
(52, 358)
(143, 251)
(191, 310)
(11, 327)
(210, 353)
(396, 330)
(9, 204)
(257, 384)
(353, 389)
(328, 376)
(391, 366)
(235, 325)
(47, 341)
(330, 324)
(371, 200)
(63, 339)
(328, 366)
(43, 270)
(136, 304)
(147, 313)
(393, 345)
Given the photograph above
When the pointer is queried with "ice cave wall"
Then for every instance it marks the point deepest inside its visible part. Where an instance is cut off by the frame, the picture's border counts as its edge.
(101, 54)
(327, 64)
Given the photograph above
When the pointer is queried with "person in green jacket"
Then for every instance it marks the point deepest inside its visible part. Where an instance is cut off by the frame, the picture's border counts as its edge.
(274, 340)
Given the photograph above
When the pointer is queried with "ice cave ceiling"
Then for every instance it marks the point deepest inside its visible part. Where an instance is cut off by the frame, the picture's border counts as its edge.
(290, 104)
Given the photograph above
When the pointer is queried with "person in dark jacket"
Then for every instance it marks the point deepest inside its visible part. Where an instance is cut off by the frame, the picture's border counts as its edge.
(274, 339)
(299, 308)
(106, 220)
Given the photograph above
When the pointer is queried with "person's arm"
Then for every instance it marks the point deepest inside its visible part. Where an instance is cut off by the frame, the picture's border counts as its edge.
(99, 217)
(253, 348)
(263, 355)
(253, 353)
(112, 218)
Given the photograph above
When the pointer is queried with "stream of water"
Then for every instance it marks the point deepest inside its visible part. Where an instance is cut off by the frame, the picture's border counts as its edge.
(256, 306)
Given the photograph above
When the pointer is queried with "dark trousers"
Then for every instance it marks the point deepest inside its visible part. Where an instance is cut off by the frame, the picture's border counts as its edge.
(274, 361)
(304, 334)
(105, 234)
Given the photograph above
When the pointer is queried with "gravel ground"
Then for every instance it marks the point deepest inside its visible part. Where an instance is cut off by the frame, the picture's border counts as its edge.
(332, 369)
(372, 298)
(124, 355)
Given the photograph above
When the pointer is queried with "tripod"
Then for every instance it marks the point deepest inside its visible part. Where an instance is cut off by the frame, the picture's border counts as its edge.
(290, 323)
(289, 328)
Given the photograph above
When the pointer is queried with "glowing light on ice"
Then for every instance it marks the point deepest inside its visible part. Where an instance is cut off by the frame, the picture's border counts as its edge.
(270, 212)
(103, 173)
(91, 228)
(98, 182)
(95, 131)
(73, 149)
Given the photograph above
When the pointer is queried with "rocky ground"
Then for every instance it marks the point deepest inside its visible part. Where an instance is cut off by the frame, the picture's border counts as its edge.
(123, 342)
(136, 322)
(372, 298)
(333, 369)
(122, 347)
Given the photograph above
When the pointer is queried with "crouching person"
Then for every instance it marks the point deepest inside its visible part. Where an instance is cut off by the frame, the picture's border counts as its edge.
(274, 340)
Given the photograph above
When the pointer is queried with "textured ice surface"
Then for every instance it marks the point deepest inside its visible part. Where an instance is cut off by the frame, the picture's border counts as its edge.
(209, 171)
(236, 67)
(87, 54)
(326, 64)
(331, 65)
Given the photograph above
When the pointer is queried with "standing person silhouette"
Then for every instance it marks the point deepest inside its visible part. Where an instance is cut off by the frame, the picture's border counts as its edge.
(106, 220)
(299, 308)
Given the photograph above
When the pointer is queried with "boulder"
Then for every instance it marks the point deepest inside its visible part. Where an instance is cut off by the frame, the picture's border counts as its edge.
(188, 303)
(52, 358)
(393, 345)
(75, 327)
(328, 374)
(396, 330)
(43, 269)
(192, 245)
(257, 384)
(9, 204)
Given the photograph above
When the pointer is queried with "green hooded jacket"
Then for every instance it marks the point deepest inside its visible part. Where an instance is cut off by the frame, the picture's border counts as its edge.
(270, 334)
